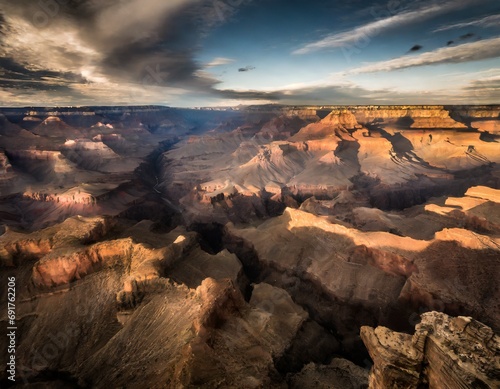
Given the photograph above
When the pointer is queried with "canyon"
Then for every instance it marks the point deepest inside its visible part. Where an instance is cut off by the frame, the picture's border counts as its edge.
(252, 247)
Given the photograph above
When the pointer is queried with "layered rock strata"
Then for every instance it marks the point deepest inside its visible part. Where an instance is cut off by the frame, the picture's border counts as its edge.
(444, 352)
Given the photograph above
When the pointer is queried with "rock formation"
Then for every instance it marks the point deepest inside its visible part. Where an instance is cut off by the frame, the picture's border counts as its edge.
(250, 247)
(444, 352)
(394, 166)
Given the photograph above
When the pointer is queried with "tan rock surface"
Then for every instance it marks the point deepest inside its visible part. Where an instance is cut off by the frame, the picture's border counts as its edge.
(444, 352)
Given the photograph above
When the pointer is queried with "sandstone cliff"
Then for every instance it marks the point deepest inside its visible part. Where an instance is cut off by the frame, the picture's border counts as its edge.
(416, 117)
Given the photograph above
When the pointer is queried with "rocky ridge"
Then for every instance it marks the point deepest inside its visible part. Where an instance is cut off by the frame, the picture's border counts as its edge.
(392, 163)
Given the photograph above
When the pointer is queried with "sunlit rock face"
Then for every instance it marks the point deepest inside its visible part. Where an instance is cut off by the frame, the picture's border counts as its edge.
(395, 157)
(253, 247)
(433, 117)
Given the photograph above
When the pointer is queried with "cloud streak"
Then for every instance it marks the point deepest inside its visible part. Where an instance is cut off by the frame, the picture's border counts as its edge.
(486, 22)
(219, 61)
(475, 51)
(371, 29)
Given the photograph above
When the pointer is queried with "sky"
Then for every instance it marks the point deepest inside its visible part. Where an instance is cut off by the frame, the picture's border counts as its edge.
(209, 53)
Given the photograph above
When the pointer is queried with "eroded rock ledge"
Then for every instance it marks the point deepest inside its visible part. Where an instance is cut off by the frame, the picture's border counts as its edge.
(444, 352)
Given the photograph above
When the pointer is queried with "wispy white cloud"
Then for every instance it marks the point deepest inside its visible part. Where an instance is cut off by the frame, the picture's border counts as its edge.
(488, 21)
(363, 34)
(461, 76)
(475, 51)
(219, 61)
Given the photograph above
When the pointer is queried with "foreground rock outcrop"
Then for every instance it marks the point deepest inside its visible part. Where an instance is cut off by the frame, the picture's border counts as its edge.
(114, 297)
(444, 352)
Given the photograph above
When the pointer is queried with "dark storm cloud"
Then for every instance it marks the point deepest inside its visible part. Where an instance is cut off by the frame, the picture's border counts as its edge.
(34, 86)
(246, 69)
(144, 42)
(17, 72)
(162, 54)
